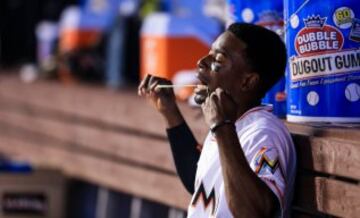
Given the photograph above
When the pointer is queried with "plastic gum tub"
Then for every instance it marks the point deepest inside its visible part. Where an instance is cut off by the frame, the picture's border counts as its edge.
(323, 39)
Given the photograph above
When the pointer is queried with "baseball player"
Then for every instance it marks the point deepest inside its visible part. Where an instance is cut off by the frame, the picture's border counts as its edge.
(246, 166)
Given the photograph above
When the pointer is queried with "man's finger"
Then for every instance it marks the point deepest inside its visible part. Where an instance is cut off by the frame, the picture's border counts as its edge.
(164, 81)
(145, 81)
(143, 85)
(220, 93)
(204, 105)
(151, 81)
(153, 85)
(158, 80)
(214, 97)
(152, 88)
(206, 102)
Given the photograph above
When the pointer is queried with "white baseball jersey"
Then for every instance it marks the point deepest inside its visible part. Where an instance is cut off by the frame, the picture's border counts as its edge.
(270, 152)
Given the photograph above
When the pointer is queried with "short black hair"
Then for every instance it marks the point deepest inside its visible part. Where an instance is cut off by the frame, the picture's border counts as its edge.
(265, 50)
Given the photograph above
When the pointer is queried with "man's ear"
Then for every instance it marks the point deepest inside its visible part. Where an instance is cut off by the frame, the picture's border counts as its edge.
(250, 81)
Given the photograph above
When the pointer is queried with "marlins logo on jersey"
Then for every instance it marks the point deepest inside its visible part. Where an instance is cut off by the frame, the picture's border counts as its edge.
(266, 159)
(202, 197)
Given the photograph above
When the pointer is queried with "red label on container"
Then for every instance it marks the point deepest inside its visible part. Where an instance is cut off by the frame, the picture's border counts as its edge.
(316, 37)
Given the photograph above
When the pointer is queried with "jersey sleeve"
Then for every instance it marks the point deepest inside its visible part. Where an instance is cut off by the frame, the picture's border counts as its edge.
(186, 154)
(265, 155)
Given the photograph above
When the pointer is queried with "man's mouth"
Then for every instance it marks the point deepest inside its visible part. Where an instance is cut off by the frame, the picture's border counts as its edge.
(202, 90)
(202, 79)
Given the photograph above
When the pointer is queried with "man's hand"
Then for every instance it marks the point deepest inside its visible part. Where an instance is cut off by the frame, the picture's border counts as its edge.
(163, 99)
(219, 106)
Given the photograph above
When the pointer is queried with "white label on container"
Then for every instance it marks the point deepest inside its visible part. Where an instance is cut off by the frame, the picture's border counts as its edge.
(327, 64)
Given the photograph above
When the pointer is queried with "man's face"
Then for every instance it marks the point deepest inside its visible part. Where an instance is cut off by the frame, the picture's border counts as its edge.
(225, 65)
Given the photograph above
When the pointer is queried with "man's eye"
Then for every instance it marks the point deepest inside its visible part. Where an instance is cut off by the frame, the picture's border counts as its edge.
(215, 66)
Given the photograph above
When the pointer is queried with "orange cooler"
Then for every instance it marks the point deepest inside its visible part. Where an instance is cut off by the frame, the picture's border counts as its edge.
(73, 39)
(82, 27)
(170, 44)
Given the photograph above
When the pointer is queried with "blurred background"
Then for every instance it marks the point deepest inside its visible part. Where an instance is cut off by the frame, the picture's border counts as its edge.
(99, 41)
(73, 139)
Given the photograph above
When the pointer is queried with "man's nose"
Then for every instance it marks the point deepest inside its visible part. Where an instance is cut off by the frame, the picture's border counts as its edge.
(203, 62)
